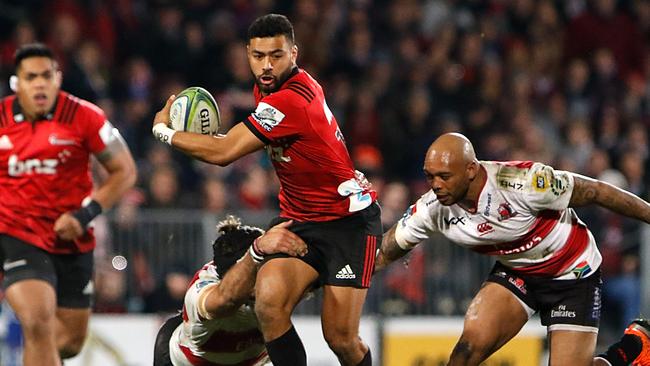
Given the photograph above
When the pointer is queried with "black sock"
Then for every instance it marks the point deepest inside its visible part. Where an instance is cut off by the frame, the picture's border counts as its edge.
(367, 359)
(287, 350)
(623, 352)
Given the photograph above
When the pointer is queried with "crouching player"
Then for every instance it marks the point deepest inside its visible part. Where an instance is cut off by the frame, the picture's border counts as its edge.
(217, 325)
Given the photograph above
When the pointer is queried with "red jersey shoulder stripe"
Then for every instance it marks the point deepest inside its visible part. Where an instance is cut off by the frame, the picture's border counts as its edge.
(302, 90)
(65, 106)
(3, 117)
(71, 103)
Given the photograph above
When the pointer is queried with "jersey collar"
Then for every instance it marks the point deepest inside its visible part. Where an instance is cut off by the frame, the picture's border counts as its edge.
(20, 117)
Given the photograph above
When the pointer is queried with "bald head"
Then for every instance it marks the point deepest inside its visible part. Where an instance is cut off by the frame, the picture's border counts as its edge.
(450, 167)
(452, 147)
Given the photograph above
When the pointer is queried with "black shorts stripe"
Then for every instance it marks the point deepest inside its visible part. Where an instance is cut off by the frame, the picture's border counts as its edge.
(369, 261)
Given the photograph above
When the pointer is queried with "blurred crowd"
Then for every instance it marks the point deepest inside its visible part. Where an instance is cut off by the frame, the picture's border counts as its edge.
(561, 82)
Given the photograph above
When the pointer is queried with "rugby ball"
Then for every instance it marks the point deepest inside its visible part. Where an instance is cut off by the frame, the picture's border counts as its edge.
(195, 110)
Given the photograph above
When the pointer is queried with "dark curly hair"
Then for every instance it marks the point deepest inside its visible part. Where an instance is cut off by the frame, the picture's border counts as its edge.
(271, 25)
(232, 243)
(32, 50)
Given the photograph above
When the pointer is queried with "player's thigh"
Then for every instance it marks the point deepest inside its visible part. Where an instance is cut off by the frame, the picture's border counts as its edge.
(494, 316)
(574, 348)
(34, 302)
(29, 281)
(281, 282)
(341, 311)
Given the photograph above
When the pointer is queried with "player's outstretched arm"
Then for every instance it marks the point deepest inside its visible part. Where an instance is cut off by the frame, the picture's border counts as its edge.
(237, 285)
(390, 250)
(220, 150)
(587, 191)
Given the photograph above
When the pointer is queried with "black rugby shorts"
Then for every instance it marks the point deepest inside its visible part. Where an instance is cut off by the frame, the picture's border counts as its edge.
(342, 251)
(562, 304)
(69, 274)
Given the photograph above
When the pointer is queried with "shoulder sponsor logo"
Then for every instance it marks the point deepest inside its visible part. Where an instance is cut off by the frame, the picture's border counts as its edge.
(559, 184)
(409, 212)
(5, 143)
(54, 140)
(540, 182)
(201, 284)
(267, 116)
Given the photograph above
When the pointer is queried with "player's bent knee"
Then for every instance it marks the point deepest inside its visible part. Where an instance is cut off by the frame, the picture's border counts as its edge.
(269, 312)
(37, 326)
(343, 343)
(72, 347)
(473, 349)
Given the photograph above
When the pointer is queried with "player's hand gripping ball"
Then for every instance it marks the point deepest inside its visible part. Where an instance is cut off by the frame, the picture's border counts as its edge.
(195, 110)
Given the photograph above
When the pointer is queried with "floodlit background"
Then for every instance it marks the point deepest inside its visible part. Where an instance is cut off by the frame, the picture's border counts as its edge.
(561, 82)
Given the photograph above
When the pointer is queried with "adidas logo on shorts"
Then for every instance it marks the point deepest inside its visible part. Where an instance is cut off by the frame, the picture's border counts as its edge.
(346, 273)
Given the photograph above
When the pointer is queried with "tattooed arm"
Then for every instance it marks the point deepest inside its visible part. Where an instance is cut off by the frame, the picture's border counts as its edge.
(587, 191)
(390, 250)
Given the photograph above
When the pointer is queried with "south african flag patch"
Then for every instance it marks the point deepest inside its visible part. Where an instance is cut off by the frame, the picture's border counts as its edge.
(581, 270)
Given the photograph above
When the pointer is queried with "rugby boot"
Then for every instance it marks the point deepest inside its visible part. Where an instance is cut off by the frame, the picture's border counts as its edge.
(641, 329)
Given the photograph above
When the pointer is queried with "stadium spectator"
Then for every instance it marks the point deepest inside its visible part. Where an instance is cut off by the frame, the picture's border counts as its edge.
(168, 295)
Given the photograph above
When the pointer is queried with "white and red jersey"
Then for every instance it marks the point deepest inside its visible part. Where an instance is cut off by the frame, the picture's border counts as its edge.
(522, 218)
(317, 179)
(44, 169)
(234, 340)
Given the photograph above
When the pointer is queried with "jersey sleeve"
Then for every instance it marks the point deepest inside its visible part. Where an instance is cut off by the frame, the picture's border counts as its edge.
(193, 294)
(416, 225)
(97, 129)
(548, 189)
(276, 116)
